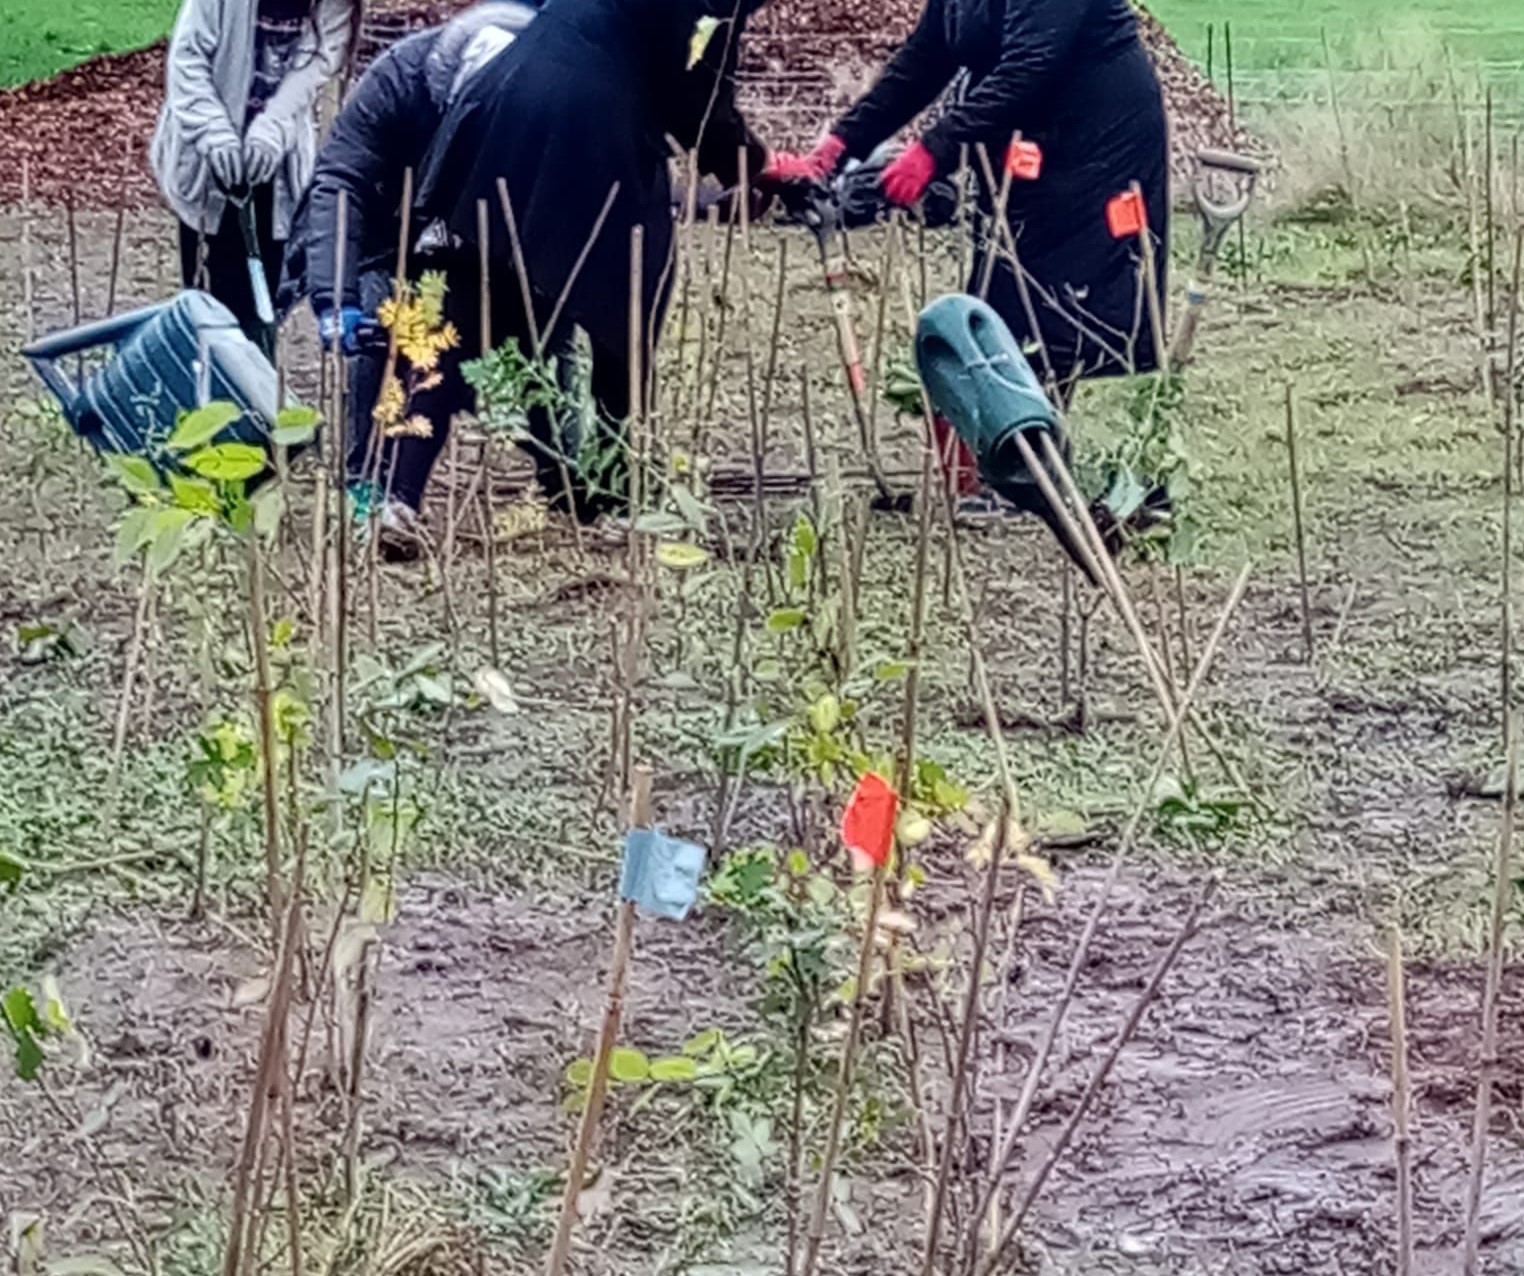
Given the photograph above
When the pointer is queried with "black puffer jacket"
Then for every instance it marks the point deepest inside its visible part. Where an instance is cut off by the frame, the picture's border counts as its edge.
(1072, 76)
(585, 99)
(386, 128)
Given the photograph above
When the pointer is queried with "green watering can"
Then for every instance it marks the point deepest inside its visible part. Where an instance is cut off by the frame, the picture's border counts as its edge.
(979, 381)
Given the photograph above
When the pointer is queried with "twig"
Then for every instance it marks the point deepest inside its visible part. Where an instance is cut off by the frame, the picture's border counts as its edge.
(608, 1036)
(1401, 1098)
(129, 686)
(1298, 522)
(116, 261)
(1502, 893)
(1082, 1109)
(1092, 923)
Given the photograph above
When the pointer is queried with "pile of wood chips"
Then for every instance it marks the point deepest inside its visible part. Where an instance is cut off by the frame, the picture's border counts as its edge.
(83, 135)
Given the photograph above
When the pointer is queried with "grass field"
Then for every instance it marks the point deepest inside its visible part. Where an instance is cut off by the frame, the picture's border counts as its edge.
(1288, 33)
(43, 38)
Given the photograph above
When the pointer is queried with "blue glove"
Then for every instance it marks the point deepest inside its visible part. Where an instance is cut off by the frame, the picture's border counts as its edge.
(350, 325)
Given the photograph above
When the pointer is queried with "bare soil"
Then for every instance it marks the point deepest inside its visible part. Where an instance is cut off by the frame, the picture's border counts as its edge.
(1245, 1130)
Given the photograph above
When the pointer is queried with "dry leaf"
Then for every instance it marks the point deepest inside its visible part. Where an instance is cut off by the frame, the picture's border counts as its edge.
(492, 687)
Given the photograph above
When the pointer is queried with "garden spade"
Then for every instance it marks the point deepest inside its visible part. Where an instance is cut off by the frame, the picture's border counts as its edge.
(1218, 217)
(264, 309)
(816, 207)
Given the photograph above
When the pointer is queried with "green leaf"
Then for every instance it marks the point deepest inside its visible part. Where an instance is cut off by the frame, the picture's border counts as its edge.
(295, 426)
(197, 429)
(805, 540)
(579, 1074)
(21, 1011)
(11, 872)
(689, 506)
(167, 536)
(681, 555)
(269, 504)
(282, 631)
(1062, 824)
(785, 618)
(703, 1043)
(196, 495)
(135, 473)
(29, 1056)
(132, 532)
(629, 1067)
(798, 864)
(825, 714)
(891, 670)
(228, 462)
(673, 1068)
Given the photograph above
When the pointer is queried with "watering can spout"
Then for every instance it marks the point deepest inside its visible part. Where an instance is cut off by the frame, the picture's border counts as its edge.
(977, 378)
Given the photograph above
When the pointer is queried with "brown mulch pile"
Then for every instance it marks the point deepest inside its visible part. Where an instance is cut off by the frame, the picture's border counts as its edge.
(84, 134)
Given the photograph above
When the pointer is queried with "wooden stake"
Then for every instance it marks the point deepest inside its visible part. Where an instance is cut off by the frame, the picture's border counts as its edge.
(1402, 1149)
(79, 359)
(1502, 894)
(116, 261)
(1298, 522)
(28, 298)
(1151, 287)
(608, 1037)
(1092, 924)
(1087, 1099)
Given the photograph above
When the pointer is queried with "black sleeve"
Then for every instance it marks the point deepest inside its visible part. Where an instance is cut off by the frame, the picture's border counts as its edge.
(1037, 39)
(921, 68)
(364, 156)
(703, 115)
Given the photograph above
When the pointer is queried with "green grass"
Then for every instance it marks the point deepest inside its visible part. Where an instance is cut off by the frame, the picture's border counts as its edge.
(43, 37)
(1274, 34)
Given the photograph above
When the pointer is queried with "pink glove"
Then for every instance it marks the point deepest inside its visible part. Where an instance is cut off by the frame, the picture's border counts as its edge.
(819, 164)
(906, 180)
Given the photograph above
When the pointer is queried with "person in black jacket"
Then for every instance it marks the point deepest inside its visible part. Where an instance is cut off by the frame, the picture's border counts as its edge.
(573, 117)
(1073, 78)
(385, 128)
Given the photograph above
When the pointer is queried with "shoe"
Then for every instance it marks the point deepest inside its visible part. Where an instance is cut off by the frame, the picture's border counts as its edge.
(399, 536)
(395, 523)
(983, 507)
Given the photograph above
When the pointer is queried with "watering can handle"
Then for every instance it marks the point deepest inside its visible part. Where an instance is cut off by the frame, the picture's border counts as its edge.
(42, 354)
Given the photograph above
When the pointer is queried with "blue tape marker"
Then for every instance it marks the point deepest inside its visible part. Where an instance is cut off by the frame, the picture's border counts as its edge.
(660, 874)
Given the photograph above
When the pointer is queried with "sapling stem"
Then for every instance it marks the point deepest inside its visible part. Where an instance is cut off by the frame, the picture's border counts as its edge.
(1098, 910)
(1097, 1080)
(608, 1036)
(73, 225)
(1502, 893)
(116, 260)
(135, 644)
(1402, 1149)
(1298, 523)
(906, 771)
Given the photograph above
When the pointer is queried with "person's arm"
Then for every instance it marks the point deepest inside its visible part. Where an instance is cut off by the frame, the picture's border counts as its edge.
(1036, 41)
(319, 57)
(703, 115)
(362, 160)
(189, 91)
(921, 68)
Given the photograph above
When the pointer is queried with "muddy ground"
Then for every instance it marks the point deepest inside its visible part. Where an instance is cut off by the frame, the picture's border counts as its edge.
(1247, 1129)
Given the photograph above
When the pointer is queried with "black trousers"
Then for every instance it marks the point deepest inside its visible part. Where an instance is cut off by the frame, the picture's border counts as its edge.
(218, 263)
(407, 462)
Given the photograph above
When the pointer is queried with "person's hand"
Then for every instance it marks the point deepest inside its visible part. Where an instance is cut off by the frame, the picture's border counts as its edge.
(226, 162)
(906, 179)
(348, 325)
(261, 159)
(786, 167)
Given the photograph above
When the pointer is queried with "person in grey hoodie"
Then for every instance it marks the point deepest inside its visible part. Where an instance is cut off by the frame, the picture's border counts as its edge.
(238, 127)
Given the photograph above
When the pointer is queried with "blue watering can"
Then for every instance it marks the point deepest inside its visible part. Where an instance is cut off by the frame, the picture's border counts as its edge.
(977, 378)
(167, 359)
